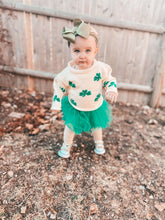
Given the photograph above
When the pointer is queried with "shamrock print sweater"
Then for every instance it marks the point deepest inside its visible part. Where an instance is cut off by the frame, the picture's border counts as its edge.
(83, 87)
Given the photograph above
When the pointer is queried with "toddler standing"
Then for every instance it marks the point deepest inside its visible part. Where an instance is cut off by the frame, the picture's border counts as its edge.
(78, 89)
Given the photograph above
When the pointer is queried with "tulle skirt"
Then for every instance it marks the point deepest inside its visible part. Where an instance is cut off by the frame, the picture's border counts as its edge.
(84, 121)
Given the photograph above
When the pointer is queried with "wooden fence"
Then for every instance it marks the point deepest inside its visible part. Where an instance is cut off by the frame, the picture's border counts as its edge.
(132, 41)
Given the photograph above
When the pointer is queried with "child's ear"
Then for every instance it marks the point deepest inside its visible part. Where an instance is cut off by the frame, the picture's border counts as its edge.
(96, 50)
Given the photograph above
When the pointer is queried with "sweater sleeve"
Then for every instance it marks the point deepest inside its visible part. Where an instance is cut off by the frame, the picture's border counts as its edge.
(109, 82)
(59, 87)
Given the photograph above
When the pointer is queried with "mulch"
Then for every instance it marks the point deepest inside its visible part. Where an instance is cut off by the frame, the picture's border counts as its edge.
(128, 182)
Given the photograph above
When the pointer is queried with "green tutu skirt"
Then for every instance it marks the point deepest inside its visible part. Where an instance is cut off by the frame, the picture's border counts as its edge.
(84, 121)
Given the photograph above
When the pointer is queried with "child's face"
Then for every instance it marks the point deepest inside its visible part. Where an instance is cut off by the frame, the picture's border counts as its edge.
(83, 52)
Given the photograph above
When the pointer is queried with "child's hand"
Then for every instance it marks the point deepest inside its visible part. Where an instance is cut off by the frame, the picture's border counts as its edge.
(111, 96)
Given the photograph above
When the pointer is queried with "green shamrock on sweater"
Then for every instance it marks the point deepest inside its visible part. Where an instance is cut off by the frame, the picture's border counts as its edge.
(97, 97)
(72, 84)
(62, 89)
(84, 93)
(55, 98)
(97, 77)
(73, 102)
(106, 83)
(112, 84)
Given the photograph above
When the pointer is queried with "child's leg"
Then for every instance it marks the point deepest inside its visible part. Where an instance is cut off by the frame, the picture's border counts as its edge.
(97, 134)
(68, 140)
(68, 136)
(99, 146)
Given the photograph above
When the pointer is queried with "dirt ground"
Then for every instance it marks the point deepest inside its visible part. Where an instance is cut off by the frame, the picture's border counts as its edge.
(128, 182)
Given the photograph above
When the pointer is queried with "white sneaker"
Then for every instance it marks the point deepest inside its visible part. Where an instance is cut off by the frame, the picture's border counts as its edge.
(99, 147)
(64, 152)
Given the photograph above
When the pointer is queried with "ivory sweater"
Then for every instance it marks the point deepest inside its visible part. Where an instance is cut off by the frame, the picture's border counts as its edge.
(83, 87)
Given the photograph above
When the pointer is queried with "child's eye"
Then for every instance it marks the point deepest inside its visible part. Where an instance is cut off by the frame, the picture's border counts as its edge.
(76, 51)
(88, 50)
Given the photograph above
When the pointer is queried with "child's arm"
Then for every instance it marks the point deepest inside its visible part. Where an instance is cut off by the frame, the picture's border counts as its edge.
(59, 91)
(110, 86)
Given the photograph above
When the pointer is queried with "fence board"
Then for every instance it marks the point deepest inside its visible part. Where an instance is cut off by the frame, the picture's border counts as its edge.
(6, 53)
(162, 100)
(11, 80)
(132, 54)
(148, 11)
(94, 19)
(159, 78)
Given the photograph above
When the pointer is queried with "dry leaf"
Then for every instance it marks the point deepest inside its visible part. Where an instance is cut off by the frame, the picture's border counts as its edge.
(27, 116)
(41, 113)
(35, 131)
(41, 120)
(17, 216)
(44, 127)
(1, 131)
(19, 128)
(52, 214)
(160, 206)
(16, 115)
(29, 126)
(93, 209)
(1, 149)
(10, 173)
(23, 209)
(2, 210)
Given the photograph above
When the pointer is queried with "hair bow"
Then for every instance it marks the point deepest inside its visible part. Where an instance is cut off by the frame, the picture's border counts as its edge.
(80, 28)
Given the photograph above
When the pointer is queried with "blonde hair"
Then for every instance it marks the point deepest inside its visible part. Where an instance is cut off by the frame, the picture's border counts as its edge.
(93, 33)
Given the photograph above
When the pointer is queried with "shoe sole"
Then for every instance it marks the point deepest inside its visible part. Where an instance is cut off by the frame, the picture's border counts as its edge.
(63, 155)
(99, 153)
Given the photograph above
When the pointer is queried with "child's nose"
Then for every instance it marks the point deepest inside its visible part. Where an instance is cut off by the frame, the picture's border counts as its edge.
(82, 55)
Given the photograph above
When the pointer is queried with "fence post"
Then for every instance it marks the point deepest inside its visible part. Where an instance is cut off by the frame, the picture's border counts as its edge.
(29, 46)
(159, 77)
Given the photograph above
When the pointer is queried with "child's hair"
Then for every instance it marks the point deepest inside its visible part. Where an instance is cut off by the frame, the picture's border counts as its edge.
(81, 29)
(93, 33)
